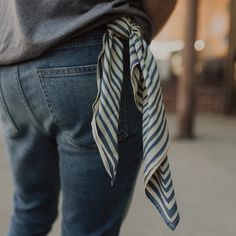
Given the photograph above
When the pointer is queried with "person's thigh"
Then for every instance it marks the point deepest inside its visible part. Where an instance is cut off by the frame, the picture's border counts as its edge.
(91, 206)
(33, 156)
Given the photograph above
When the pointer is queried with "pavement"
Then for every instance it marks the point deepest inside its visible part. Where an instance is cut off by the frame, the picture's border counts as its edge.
(204, 174)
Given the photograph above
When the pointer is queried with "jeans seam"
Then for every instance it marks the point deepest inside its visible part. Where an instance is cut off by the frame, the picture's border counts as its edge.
(125, 128)
(78, 145)
(27, 107)
(4, 106)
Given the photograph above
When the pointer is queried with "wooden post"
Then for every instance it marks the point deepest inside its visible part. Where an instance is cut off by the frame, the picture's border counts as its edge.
(230, 62)
(185, 87)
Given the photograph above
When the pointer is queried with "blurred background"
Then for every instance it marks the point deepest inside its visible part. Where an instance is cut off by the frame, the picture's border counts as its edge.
(196, 54)
(211, 26)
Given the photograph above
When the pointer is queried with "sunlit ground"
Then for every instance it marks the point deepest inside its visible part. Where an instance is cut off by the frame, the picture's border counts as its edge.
(204, 174)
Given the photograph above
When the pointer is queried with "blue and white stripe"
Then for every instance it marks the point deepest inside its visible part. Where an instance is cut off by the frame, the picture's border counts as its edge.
(148, 99)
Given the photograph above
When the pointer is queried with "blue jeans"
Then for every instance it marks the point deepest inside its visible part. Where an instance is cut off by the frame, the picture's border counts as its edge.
(46, 114)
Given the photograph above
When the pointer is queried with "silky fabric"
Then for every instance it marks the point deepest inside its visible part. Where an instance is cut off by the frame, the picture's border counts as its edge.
(148, 99)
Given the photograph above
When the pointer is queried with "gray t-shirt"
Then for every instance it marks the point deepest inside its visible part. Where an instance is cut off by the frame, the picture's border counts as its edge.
(30, 27)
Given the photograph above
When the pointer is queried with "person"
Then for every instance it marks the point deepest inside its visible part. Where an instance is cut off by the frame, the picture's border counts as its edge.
(49, 54)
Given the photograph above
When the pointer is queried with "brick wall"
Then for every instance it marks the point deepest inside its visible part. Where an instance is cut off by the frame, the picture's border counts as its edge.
(209, 98)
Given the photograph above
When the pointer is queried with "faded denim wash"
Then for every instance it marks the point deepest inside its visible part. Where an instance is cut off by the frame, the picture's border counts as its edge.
(46, 113)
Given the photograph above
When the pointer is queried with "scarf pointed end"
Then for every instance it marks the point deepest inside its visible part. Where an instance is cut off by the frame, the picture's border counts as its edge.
(112, 181)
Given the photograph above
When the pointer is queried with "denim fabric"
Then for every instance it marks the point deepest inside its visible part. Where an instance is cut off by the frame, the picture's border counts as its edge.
(46, 113)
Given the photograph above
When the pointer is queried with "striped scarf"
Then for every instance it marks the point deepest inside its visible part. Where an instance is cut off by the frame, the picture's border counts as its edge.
(148, 99)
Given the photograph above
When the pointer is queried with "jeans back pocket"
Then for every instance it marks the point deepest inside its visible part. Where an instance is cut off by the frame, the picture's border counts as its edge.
(69, 93)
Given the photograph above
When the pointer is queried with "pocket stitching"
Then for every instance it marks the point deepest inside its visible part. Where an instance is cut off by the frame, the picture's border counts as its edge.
(57, 121)
(65, 71)
(73, 71)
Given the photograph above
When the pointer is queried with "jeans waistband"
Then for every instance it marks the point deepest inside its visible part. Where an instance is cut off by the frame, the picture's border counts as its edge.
(91, 33)
(91, 36)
